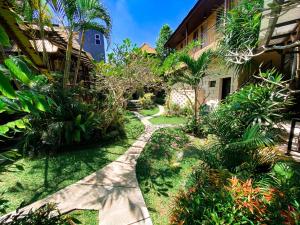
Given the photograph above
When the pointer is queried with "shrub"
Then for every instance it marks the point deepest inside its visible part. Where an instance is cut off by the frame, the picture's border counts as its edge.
(147, 101)
(173, 109)
(242, 27)
(46, 215)
(216, 199)
(245, 121)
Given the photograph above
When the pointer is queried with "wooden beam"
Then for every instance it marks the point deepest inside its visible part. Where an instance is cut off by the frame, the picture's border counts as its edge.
(268, 24)
(8, 20)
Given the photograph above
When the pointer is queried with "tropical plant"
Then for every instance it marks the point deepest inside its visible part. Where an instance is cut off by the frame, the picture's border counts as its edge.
(127, 71)
(66, 13)
(25, 100)
(90, 12)
(193, 76)
(79, 15)
(147, 101)
(241, 28)
(46, 215)
(261, 104)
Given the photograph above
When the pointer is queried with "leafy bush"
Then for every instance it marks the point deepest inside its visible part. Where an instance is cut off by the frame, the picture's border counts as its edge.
(27, 99)
(245, 122)
(49, 116)
(46, 215)
(217, 199)
(242, 26)
(261, 104)
(173, 109)
(147, 101)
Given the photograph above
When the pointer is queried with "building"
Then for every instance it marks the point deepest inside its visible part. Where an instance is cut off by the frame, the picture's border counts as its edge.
(201, 24)
(148, 49)
(94, 44)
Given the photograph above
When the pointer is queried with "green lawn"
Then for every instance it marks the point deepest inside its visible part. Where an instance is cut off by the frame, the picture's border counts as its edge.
(86, 217)
(162, 170)
(44, 176)
(173, 120)
(149, 112)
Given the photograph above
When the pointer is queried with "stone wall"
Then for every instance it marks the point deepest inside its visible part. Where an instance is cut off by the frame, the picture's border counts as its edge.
(179, 96)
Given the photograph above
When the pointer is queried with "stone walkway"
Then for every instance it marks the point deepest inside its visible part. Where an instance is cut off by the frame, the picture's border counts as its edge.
(113, 190)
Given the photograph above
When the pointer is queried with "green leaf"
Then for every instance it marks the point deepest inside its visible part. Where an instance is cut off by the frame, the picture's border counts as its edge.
(19, 70)
(3, 130)
(78, 120)
(5, 87)
(77, 136)
(4, 39)
(41, 104)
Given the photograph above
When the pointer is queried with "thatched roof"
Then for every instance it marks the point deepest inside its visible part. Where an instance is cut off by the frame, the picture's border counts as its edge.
(38, 45)
(57, 37)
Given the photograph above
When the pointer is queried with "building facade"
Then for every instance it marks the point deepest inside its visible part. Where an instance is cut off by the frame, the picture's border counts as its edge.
(94, 44)
(201, 24)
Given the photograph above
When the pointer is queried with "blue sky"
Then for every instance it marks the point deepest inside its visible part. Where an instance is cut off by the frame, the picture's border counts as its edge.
(141, 20)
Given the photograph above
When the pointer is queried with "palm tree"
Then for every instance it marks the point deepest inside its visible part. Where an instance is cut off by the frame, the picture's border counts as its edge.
(91, 12)
(195, 72)
(66, 12)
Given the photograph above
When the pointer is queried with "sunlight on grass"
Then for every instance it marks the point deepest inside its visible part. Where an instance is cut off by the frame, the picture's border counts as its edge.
(44, 176)
(173, 120)
(162, 171)
(149, 112)
(86, 217)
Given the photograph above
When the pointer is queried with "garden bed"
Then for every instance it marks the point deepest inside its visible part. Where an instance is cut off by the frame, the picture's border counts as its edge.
(38, 178)
(162, 171)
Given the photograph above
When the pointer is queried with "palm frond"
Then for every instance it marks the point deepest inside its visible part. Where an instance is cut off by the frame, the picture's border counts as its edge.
(253, 138)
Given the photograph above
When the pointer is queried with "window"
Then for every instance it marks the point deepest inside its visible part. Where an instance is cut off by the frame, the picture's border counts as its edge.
(196, 35)
(97, 39)
(203, 36)
(212, 83)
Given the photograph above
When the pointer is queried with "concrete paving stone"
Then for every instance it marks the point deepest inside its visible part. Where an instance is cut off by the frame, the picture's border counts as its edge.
(140, 144)
(123, 207)
(143, 222)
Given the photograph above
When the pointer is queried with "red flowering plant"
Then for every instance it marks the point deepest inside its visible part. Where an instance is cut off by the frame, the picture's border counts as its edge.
(264, 205)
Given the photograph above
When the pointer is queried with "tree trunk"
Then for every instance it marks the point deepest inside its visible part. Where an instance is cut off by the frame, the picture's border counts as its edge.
(196, 104)
(79, 58)
(42, 33)
(68, 60)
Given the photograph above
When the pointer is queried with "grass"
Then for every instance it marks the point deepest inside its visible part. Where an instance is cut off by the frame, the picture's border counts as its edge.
(163, 169)
(173, 120)
(88, 217)
(149, 112)
(44, 176)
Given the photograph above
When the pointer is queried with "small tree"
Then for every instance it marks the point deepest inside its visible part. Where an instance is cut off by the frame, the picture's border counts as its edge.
(164, 35)
(127, 71)
(194, 74)
(91, 13)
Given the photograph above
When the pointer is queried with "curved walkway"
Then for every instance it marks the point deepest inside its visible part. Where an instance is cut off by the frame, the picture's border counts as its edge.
(113, 190)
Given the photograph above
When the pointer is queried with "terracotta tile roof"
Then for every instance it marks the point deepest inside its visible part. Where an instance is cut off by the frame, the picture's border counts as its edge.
(148, 49)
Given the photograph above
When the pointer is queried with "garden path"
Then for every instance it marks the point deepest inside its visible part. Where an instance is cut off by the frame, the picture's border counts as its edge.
(113, 190)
